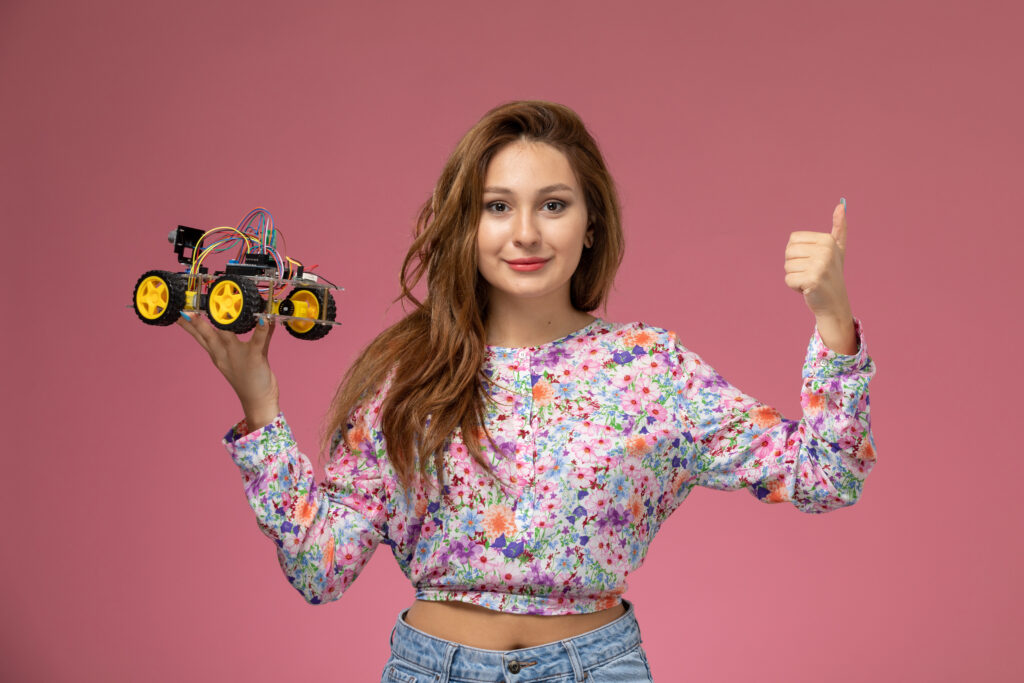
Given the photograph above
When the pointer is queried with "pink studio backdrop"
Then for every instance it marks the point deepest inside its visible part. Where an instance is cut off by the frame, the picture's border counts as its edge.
(130, 551)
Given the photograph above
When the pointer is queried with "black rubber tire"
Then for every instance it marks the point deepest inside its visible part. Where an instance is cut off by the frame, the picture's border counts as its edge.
(319, 330)
(252, 303)
(175, 297)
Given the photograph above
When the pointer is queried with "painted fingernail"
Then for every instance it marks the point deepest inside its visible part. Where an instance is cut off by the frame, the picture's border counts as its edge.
(262, 321)
(842, 200)
(185, 316)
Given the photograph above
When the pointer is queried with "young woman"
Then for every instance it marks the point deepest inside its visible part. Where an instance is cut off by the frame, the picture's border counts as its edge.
(517, 453)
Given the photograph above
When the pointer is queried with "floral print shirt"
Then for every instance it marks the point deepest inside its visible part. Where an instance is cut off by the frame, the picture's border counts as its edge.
(600, 436)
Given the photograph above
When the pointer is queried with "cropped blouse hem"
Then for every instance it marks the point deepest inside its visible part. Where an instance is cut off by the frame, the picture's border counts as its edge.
(517, 603)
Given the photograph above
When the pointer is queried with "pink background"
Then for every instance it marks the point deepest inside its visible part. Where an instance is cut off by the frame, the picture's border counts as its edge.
(130, 551)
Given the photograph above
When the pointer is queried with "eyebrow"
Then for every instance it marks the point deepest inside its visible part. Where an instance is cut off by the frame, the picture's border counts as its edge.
(544, 190)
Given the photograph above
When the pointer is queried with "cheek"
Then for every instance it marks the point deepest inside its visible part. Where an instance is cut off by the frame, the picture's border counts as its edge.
(486, 249)
(576, 238)
(481, 249)
(486, 238)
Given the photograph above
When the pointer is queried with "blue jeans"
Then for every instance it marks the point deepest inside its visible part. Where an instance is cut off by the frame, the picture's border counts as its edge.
(609, 653)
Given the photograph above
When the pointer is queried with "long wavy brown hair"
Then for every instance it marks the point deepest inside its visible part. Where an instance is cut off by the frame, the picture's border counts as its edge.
(434, 355)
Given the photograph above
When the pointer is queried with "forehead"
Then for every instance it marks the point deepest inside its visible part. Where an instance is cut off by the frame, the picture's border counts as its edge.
(524, 164)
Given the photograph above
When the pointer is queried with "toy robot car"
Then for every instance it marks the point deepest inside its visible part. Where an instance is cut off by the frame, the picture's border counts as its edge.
(259, 283)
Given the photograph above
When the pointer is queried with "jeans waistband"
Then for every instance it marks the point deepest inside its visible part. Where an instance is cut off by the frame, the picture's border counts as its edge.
(569, 656)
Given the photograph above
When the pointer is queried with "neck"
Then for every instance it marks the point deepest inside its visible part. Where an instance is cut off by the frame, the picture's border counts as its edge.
(518, 322)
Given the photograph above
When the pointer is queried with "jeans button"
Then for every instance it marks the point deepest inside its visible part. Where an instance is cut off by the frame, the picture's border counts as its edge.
(513, 667)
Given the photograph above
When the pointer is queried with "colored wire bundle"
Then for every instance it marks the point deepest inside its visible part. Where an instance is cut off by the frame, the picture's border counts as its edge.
(255, 234)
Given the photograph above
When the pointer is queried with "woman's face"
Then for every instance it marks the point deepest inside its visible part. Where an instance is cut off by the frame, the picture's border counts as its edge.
(534, 224)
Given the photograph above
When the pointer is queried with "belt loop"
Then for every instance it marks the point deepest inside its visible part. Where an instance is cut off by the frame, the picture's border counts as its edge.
(446, 668)
(574, 659)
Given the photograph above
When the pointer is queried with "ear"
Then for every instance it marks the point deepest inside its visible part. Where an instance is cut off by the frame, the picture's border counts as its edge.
(588, 238)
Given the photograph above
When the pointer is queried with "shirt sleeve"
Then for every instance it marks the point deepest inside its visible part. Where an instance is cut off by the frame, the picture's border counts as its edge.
(818, 463)
(325, 534)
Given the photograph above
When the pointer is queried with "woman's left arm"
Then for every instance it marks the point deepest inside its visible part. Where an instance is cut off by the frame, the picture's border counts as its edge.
(818, 463)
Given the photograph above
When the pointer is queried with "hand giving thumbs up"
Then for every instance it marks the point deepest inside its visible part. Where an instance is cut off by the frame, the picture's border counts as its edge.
(814, 267)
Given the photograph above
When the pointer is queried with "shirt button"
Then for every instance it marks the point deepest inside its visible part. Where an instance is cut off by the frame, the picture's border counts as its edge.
(514, 667)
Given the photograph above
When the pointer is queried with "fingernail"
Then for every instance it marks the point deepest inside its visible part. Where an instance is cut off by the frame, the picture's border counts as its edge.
(842, 200)
(185, 316)
(262, 321)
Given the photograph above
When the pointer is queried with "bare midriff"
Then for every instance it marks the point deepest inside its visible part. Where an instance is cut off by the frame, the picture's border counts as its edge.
(476, 626)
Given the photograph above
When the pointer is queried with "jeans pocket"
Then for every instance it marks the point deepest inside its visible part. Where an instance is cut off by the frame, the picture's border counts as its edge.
(397, 672)
(628, 668)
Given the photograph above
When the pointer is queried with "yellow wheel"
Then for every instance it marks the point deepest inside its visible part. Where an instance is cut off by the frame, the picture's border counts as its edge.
(151, 297)
(232, 304)
(306, 302)
(226, 302)
(159, 297)
(305, 306)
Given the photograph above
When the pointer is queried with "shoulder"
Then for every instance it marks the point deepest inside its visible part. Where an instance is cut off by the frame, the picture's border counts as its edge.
(628, 347)
(635, 336)
(368, 408)
(363, 420)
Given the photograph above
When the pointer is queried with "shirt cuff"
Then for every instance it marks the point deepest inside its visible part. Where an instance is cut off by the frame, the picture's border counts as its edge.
(251, 450)
(821, 361)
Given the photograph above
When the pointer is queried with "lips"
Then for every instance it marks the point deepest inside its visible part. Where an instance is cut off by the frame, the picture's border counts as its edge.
(526, 261)
(525, 264)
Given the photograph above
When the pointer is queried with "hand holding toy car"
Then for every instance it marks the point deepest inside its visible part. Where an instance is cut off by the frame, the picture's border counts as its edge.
(257, 288)
(243, 363)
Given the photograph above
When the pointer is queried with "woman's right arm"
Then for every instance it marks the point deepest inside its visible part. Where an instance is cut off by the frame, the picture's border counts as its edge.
(325, 533)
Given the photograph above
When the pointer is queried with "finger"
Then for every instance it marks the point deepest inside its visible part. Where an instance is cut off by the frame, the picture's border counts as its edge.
(797, 281)
(798, 265)
(226, 338)
(209, 334)
(259, 333)
(220, 343)
(190, 327)
(809, 237)
(839, 224)
(261, 336)
(804, 250)
(270, 333)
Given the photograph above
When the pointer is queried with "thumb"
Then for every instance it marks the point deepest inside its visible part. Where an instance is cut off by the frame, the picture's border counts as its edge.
(839, 224)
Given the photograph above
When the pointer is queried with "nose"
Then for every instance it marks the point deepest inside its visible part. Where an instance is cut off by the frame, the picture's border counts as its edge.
(525, 231)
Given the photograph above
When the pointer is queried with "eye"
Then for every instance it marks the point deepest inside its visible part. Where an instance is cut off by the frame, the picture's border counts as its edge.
(554, 206)
(497, 207)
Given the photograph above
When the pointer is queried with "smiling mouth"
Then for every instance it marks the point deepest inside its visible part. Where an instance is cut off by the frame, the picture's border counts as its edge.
(524, 264)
